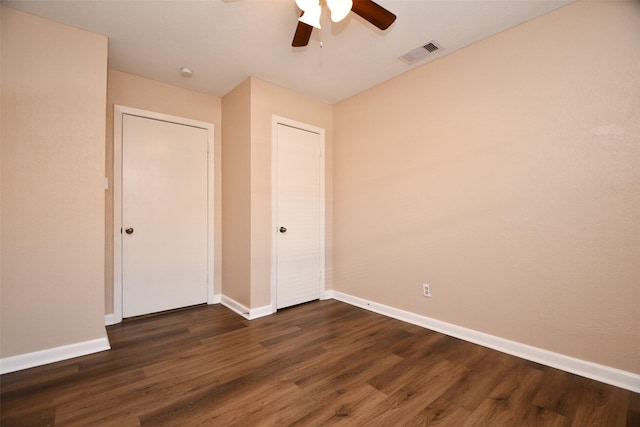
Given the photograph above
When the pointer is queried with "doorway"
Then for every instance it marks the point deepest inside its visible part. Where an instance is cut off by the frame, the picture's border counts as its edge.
(163, 212)
(298, 236)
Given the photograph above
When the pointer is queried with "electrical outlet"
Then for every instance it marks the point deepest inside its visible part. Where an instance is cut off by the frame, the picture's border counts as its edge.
(426, 290)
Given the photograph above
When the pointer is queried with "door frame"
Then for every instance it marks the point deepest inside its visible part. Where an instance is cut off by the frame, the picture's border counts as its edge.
(118, 112)
(275, 121)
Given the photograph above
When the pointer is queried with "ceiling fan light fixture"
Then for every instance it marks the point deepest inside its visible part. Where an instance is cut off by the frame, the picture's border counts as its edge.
(339, 9)
(311, 16)
(311, 10)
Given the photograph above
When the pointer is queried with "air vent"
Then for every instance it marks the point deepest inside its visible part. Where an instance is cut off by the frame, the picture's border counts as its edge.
(420, 52)
(431, 47)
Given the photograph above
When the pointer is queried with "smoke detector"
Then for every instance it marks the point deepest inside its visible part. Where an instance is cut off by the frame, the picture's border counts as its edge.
(420, 53)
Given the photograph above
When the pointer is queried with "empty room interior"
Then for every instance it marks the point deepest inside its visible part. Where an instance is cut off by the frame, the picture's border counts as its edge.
(258, 212)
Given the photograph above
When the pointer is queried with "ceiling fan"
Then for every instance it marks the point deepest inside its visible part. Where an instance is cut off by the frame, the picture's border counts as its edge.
(311, 10)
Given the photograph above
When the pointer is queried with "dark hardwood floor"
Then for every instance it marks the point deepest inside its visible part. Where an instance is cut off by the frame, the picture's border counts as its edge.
(316, 364)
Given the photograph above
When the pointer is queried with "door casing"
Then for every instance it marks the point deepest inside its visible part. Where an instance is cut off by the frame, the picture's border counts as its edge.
(275, 121)
(118, 112)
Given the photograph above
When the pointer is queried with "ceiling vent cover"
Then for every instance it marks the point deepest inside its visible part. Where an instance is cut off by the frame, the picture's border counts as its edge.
(431, 47)
(420, 52)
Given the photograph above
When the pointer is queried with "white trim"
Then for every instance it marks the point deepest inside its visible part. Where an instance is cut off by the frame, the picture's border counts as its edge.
(235, 306)
(275, 121)
(117, 213)
(51, 355)
(247, 313)
(265, 310)
(118, 112)
(110, 319)
(214, 299)
(327, 294)
(602, 373)
(210, 212)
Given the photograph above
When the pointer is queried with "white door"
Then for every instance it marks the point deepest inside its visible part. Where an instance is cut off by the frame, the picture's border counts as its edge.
(164, 215)
(298, 216)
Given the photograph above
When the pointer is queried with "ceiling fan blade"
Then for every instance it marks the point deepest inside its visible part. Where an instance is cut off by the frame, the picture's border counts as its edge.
(374, 13)
(302, 35)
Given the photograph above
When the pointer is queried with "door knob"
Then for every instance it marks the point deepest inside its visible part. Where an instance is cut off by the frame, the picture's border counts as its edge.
(283, 230)
(129, 230)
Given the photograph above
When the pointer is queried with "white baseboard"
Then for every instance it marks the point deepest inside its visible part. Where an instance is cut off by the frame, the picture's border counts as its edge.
(245, 312)
(214, 299)
(255, 313)
(110, 319)
(234, 305)
(56, 354)
(602, 373)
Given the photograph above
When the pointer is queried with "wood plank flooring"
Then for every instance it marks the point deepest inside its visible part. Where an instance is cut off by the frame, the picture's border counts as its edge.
(321, 363)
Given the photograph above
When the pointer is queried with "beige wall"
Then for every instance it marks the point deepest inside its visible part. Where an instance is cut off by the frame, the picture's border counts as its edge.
(507, 176)
(53, 132)
(138, 92)
(255, 102)
(236, 194)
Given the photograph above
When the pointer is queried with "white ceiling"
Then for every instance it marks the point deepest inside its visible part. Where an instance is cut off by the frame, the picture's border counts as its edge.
(225, 41)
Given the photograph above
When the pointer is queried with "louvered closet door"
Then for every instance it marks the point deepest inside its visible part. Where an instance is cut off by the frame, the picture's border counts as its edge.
(299, 160)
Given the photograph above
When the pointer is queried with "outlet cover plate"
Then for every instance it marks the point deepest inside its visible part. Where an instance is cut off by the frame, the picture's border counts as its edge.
(426, 290)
